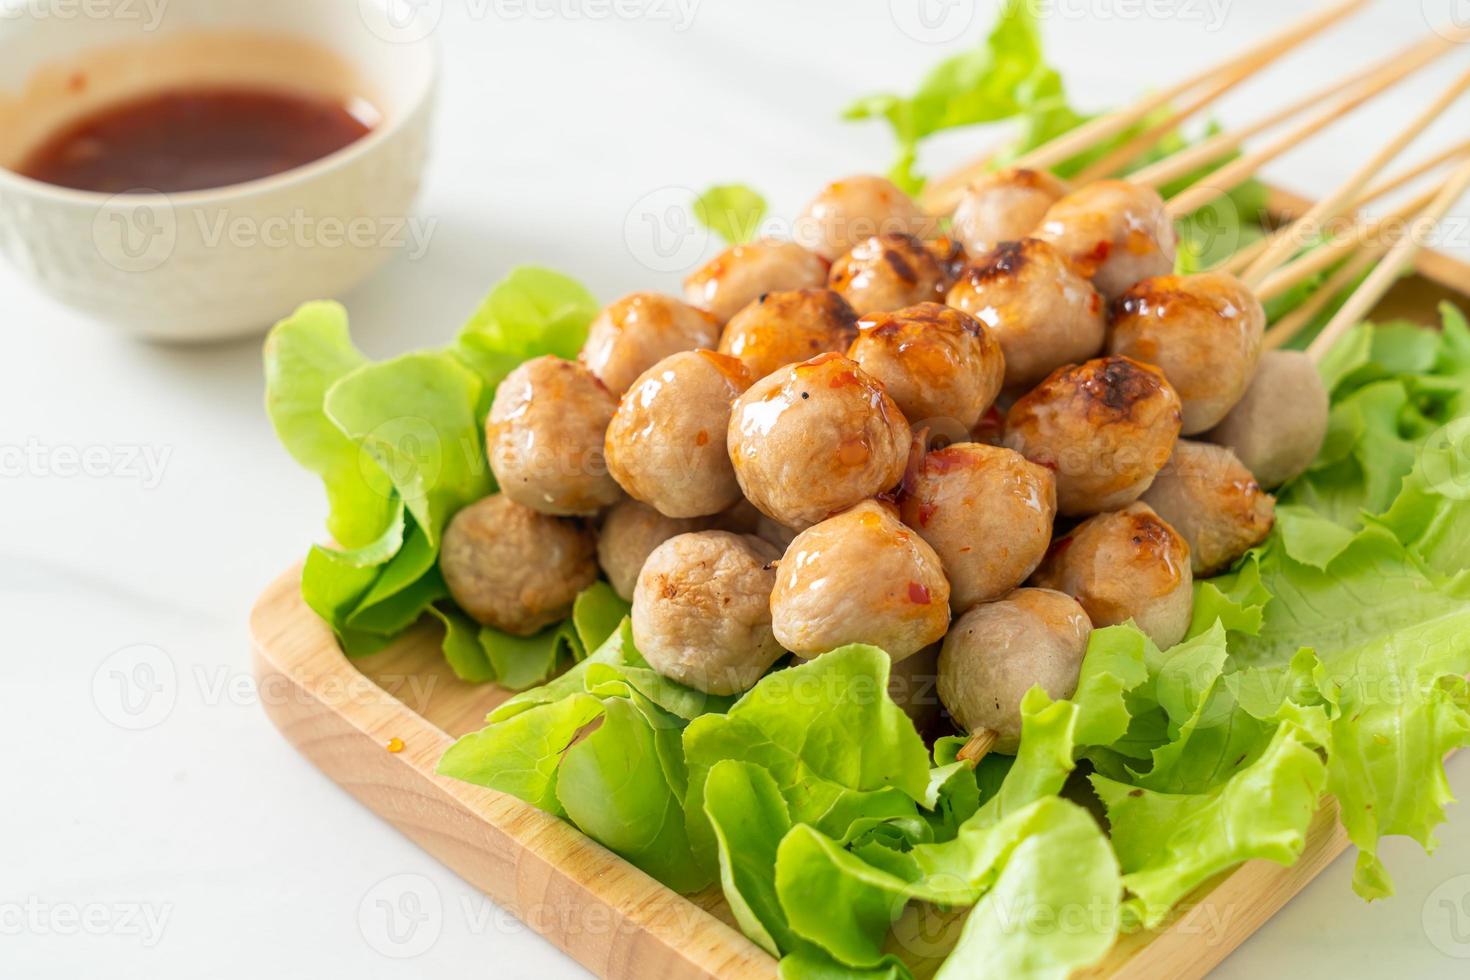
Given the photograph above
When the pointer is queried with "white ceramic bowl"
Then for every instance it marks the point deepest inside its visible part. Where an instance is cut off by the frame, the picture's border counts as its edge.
(212, 264)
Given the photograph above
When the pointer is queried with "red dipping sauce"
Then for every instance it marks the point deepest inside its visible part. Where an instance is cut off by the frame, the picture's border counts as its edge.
(192, 140)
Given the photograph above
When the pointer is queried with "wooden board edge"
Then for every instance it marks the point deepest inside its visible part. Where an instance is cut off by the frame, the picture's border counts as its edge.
(609, 916)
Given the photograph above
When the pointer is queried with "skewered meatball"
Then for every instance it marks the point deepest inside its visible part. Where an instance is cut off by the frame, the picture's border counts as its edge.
(1041, 311)
(629, 534)
(1204, 332)
(1004, 206)
(912, 684)
(742, 274)
(815, 438)
(988, 514)
(1116, 232)
(666, 444)
(638, 331)
(778, 534)
(848, 211)
(936, 362)
(513, 568)
(889, 272)
(1277, 427)
(1129, 564)
(1000, 650)
(544, 438)
(1214, 503)
(787, 327)
(702, 611)
(860, 577)
(1105, 428)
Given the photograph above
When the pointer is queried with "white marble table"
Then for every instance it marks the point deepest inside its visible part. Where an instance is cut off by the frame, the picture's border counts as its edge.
(151, 502)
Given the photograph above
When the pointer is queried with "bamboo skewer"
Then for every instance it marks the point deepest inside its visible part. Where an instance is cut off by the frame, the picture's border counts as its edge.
(1295, 322)
(1333, 204)
(1358, 89)
(977, 748)
(943, 194)
(1381, 279)
(1242, 259)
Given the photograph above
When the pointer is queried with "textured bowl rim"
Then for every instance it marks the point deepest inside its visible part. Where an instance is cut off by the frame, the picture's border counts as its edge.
(336, 160)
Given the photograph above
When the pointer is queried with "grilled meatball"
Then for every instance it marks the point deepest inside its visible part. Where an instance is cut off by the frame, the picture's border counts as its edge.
(1277, 427)
(638, 331)
(629, 534)
(936, 362)
(998, 651)
(986, 512)
(666, 443)
(702, 611)
(1004, 206)
(1117, 233)
(513, 568)
(889, 272)
(742, 274)
(1105, 428)
(1204, 332)
(848, 211)
(544, 438)
(860, 577)
(788, 327)
(1129, 564)
(1214, 503)
(815, 438)
(1041, 311)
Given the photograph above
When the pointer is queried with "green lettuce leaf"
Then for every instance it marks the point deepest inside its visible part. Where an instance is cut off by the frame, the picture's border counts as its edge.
(530, 313)
(732, 211)
(749, 819)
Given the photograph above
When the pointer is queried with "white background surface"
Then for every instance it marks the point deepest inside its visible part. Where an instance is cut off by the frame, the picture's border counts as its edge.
(551, 130)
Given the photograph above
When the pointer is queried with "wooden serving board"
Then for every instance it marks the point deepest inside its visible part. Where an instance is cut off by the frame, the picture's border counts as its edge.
(612, 918)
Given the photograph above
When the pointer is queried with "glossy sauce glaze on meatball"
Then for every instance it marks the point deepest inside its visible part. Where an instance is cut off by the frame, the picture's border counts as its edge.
(629, 533)
(1129, 564)
(999, 650)
(702, 611)
(850, 210)
(666, 445)
(1204, 332)
(888, 272)
(1105, 428)
(1043, 314)
(1278, 426)
(860, 577)
(1115, 232)
(1214, 502)
(815, 438)
(1004, 206)
(788, 327)
(936, 362)
(513, 568)
(544, 437)
(742, 274)
(638, 331)
(986, 512)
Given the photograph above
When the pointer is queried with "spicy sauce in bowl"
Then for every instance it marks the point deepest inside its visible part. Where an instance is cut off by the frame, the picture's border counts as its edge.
(189, 140)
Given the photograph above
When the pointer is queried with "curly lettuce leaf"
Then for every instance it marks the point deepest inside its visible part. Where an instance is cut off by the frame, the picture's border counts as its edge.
(305, 355)
(530, 313)
(732, 211)
(750, 819)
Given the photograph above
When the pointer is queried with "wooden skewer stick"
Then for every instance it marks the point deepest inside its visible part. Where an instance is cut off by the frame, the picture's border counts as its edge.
(1295, 322)
(1241, 260)
(1341, 246)
(1363, 85)
(944, 193)
(978, 747)
(1334, 204)
(1224, 180)
(1357, 308)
